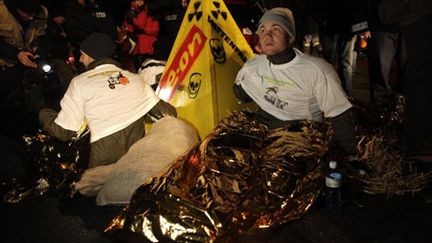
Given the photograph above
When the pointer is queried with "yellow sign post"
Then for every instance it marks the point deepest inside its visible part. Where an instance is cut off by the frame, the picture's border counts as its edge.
(201, 69)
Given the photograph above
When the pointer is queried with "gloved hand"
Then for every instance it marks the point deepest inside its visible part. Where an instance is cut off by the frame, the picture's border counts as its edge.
(162, 109)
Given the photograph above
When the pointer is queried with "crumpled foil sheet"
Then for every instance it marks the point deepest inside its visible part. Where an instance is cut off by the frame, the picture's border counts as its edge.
(54, 166)
(380, 148)
(240, 177)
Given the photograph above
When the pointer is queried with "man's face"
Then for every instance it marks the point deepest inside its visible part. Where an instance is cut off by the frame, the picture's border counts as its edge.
(273, 38)
(85, 59)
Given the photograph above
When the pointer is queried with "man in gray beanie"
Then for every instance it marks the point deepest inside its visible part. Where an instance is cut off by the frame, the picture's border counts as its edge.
(289, 86)
(109, 100)
(283, 17)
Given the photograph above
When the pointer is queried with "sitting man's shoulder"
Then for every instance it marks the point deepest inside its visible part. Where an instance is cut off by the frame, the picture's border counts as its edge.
(256, 60)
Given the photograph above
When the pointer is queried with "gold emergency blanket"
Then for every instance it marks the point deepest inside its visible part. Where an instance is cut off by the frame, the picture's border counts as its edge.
(381, 150)
(240, 177)
(54, 166)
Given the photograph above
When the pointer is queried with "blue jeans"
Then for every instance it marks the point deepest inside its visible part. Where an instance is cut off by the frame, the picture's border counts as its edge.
(385, 49)
(347, 62)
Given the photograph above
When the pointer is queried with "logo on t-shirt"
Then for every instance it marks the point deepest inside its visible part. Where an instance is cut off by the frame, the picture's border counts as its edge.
(117, 79)
(272, 97)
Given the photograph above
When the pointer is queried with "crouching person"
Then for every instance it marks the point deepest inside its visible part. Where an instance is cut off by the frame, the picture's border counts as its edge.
(112, 101)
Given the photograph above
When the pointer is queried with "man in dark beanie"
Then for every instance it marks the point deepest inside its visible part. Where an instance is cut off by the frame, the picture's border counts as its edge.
(289, 86)
(84, 17)
(98, 45)
(111, 101)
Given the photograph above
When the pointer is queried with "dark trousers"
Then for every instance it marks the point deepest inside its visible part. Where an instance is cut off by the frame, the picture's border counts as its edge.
(111, 148)
(417, 87)
(384, 50)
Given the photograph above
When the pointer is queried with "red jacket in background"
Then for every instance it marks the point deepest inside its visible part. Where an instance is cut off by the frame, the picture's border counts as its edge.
(144, 29)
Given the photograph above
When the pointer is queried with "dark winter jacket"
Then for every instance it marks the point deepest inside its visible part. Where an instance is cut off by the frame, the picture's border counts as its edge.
(391, 15)
(341, 16)
(16, 34)
(82, 20)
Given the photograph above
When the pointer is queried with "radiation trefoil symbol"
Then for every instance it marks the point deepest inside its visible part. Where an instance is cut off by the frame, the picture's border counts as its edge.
(196, 13)
(218, 12)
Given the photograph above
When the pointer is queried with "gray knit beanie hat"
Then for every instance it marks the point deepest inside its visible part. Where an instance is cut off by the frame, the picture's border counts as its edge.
(281, 16)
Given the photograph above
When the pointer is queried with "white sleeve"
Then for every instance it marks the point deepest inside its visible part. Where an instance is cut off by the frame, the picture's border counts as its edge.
(239, 77)
(330, 95)
(71, 115)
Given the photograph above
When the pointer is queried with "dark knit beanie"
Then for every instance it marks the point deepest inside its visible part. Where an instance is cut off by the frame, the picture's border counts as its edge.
(28, 6)
(98, 45)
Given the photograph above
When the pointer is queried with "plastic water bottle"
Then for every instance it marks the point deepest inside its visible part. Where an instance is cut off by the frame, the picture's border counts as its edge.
(333, 182)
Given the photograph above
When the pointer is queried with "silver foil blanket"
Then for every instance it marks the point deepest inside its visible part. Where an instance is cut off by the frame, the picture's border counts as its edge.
(240, 177)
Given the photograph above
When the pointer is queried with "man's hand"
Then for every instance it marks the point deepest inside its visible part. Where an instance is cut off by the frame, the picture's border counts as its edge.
(25, 58)
(59, 20)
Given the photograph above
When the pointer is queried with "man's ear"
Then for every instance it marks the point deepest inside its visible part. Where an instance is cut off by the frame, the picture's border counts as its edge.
(290, 40)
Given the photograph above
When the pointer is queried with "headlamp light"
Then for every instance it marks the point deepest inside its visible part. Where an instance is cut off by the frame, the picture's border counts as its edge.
(43, 65)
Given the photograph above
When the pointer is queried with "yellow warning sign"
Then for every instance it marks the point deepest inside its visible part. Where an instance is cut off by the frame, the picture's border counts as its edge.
(207, 54)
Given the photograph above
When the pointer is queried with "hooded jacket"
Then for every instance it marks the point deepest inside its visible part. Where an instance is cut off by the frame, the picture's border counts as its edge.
(15, 35)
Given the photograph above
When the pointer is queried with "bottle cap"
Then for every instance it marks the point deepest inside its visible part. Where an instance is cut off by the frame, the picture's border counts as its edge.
(332, 164)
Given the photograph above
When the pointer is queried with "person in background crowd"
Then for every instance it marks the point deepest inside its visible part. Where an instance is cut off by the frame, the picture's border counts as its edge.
(56, 9)
(170, 15)
(111, 100)
(309, 38)
(84, 17)
(340, 22)
(56, 44)
(142, 28)
(386, 53)
(246, 14)
(416, 30)
(22, 24)
(116, 8)
(289, 86)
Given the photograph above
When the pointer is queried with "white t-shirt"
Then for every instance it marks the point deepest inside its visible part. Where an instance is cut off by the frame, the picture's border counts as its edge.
(151, 71)
(304, 88)
(108, 98)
